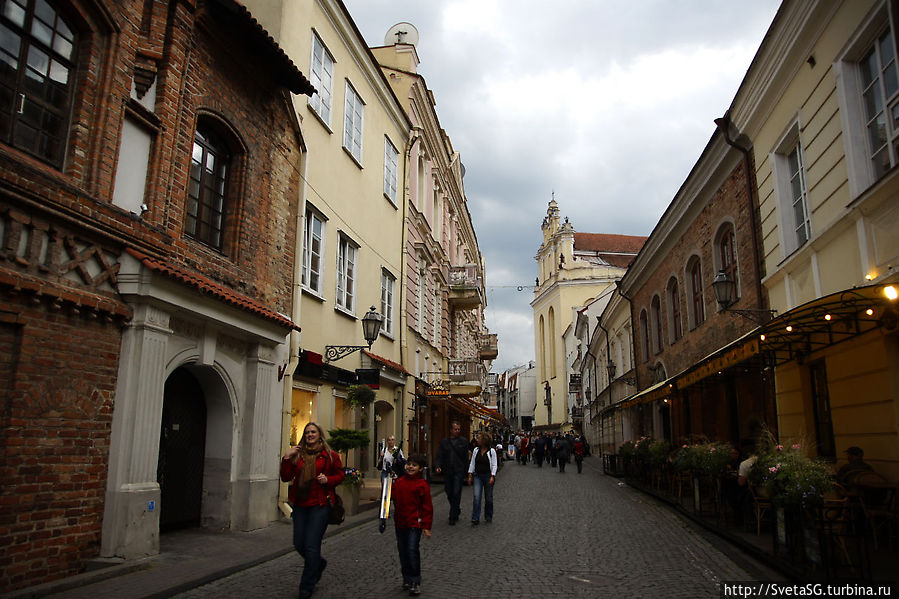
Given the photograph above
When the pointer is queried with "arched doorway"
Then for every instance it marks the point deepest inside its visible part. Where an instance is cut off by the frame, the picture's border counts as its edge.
(182, 452)
(385, 426)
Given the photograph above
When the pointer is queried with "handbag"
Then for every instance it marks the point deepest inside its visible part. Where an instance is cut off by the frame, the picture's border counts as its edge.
(336, 513)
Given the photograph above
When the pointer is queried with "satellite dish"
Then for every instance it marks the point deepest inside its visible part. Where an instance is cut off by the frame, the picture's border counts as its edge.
(401, 33)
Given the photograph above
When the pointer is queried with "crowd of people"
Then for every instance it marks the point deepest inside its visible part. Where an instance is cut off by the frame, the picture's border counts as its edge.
(314, 470)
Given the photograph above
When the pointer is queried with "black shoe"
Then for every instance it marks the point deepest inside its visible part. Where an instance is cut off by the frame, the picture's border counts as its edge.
(452, 521)
(305, 594)
(415, 590)
(407, 585)
(474, 522)
(488, 521)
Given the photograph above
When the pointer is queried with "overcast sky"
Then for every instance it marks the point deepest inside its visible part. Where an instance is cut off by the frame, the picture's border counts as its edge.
(606, 102)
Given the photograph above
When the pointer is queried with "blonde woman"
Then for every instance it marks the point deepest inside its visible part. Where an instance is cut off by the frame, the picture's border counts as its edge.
(482, 472)
(313, 469)
(389, 457)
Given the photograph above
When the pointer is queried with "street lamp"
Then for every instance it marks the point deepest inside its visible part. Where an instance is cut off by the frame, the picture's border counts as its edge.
(371, 328)
(725, 290)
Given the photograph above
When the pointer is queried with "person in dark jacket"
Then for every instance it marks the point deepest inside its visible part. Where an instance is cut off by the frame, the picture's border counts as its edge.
(563, 450)
(314, 470)
(413, 516)
(452, 463)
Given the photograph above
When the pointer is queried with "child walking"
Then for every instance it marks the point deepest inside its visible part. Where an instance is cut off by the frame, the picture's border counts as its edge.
(414, 515)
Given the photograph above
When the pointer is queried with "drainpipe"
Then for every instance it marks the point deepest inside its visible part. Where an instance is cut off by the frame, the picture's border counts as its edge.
(404, 271)
(725, 125)
(608, 353)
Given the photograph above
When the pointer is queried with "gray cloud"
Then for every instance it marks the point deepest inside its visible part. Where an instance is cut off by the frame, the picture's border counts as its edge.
(608, 103)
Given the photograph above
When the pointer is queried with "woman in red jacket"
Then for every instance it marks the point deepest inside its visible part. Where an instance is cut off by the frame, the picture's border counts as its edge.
(414, 515)
(313, 470)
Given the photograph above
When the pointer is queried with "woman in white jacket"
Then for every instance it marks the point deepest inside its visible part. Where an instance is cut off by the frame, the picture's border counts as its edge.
(482, 473)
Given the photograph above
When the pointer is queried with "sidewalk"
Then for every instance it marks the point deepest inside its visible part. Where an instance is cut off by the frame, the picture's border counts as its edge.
(193, 557)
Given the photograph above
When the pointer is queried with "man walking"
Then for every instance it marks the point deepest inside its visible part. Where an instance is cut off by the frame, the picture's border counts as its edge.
(452, 463)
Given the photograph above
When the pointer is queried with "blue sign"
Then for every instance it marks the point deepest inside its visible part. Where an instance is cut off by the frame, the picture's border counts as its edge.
(151, 505)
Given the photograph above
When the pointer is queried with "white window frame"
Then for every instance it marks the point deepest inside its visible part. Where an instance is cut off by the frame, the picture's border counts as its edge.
(347, 272)
(321, 76)
(391, 170)
(437, 315)
(388, 292)
(311, 217)
(791, 229)
(354, 109)
(846, 68)
(421, 303)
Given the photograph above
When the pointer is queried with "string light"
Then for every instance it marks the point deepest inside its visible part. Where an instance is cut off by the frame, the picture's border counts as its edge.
(789, 328)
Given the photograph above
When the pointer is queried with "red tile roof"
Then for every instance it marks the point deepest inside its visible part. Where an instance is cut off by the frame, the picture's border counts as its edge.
(209, 287)
(607, 242)
(386, 362)
(293, 78)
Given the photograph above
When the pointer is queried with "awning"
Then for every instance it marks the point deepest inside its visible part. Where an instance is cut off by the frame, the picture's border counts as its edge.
(657, 391)
(827, 321)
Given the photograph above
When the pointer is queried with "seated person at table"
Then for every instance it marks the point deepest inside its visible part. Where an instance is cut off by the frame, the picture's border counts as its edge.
(847, 473)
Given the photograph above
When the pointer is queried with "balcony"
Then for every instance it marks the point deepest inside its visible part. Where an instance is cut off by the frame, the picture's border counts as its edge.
(467, 377)
(488, 349)
(466, 288)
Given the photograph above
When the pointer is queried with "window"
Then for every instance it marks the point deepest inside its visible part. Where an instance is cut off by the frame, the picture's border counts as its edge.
(391, 170)
(210, 167)
(313, 250)
(37, 50)
(644, 335)
(388, 288)
(880, 82)
(726, 256)
(868, 87)
(352, 123)
(347, 252)
(656, 309)
(800, 224)
(675, 331)
(437, 315)
(421, 303)
(821, 404)
(697, 309)
(321, 76)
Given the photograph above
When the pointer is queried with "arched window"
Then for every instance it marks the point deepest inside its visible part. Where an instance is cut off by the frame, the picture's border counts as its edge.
(542, 349)
(694, 276)
(552, 343)
(644, 335)
(656, 310)
(207, 197)
(726, 256)
(37, 65)
(675, 331)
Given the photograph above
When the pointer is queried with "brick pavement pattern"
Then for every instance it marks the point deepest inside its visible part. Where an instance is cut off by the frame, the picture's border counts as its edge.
(553, 535)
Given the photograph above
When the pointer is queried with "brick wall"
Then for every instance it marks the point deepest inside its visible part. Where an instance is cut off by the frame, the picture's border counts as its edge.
(728, 202)
(60, 316)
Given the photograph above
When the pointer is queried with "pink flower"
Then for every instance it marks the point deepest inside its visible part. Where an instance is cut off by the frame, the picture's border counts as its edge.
(796, 446)
(772, 469)
(685, 446)
(779, 448)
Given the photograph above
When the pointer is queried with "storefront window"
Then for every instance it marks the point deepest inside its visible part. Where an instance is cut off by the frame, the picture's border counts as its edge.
(302, 408)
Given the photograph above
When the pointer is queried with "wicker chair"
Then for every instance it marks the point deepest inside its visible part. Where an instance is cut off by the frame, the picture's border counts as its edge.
(761, 505)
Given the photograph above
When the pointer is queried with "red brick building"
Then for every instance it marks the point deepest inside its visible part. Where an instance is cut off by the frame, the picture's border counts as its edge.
(691, 384)
(149, 175)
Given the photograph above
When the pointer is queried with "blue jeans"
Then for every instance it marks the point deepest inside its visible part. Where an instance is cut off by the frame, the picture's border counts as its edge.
(452, 483)
(309, 524)
(407, 543)
(482, 485)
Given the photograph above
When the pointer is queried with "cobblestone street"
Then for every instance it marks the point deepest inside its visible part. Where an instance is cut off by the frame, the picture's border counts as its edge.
(553, 535)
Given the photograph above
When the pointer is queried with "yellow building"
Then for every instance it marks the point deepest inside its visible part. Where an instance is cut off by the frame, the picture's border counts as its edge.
(349, 252)
(573, 269)
(444, 341)
(819, 105)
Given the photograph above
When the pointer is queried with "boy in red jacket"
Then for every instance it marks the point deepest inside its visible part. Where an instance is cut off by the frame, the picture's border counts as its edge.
(413, 516)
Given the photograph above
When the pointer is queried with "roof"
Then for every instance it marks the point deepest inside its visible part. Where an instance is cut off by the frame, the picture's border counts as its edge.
(608, 243)
(386, 362)
(208, 287)
(258, 38)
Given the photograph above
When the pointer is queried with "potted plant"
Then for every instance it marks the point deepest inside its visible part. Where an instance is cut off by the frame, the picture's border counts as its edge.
(343, 440)
(359, 396)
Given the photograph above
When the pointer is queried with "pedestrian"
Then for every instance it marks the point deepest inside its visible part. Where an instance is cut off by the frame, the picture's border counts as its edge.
(553, 441)
(314, 470)
(525, 449)
(452, 462)
(539, 450)
(562, 452)
(390, 457)
(413, 516)
(579, 453)
(482, 474)
(518, 447)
